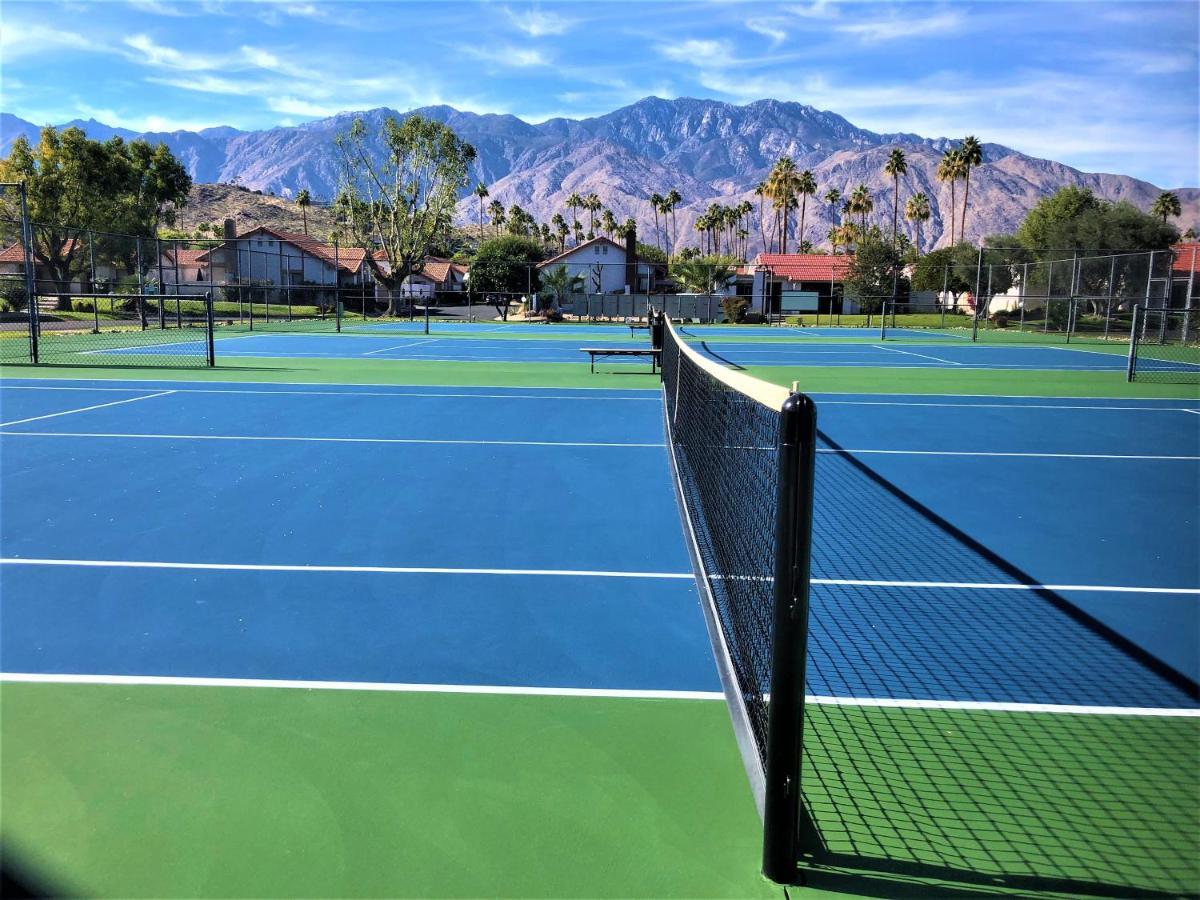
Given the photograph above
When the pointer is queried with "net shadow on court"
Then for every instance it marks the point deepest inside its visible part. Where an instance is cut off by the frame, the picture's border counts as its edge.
(920, 800)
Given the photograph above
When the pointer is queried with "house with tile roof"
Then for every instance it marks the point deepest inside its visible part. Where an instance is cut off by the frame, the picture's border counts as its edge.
(437, 276)
(267, 255)
(799, 283)
(1185, 276)
(12, 264)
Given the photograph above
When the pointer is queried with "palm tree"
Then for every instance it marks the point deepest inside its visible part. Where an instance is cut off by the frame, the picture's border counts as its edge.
(970, 154)
(861, 203)
(656, 202)
(574, 202)
(496, 214)
(670, 202)
(806, 186)
(560, 230)
(948, 170)
(896, 166)
(608, 222)
(560, 281)
(627, 228)
(577, 232)
(783, 182)
(481, 192)
(917, 210)
(592, 204)
(1166, 204)
(304, 200)
(702, 276)
(760, 191)
(833, 197)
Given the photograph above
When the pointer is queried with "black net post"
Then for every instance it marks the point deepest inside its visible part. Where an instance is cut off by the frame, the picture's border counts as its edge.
(1131, 366)
(210, 344)
(785, 711)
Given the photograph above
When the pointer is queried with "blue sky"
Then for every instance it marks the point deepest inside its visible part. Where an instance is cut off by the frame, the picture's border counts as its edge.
(1104, 86)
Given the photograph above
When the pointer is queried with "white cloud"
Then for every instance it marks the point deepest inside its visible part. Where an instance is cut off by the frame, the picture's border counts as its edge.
(211, 84)
(818, 9)
(769, 28)
(699, 52)
(508, 56)
(898, 27)
(159, 7)
(538, 23)
(20, 40)
(147, 52)
(294, 106)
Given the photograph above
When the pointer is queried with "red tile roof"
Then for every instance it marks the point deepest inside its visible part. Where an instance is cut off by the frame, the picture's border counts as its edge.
(15, 254)
(1187, 258)
(435, 269)
(188, 257)
(805, 266)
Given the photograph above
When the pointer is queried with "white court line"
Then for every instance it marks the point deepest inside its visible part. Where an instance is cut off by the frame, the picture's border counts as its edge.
(1194, 412)
(1004, 706)
(948, 362)
(39, 387)
(1008, 454)
(611, 693)
(560, 573)
(68, 412)
(197, 341)
(1005, 586)
(1004, 406)
(313, 440)
(353, 570)
(405, 346)
(350, 384)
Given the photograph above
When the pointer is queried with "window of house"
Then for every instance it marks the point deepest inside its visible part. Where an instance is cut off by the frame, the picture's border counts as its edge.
(605, 250)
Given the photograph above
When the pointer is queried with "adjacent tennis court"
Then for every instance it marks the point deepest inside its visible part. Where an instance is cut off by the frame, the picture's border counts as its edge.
(388, 639)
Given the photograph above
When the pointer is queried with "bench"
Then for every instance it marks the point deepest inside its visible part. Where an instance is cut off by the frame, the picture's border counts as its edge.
(603, 352)
(634, 328)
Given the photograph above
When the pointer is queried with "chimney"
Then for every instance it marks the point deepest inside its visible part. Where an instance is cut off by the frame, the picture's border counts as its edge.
(231, 254)
(631, 261)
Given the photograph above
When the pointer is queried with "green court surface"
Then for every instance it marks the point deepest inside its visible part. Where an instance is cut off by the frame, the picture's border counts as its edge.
(233, 792)
(148, 790)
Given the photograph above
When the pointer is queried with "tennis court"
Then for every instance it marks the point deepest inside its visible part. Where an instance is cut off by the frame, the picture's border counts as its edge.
(431, 641)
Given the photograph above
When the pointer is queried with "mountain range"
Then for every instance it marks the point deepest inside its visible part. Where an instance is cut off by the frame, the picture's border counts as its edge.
(707, 150)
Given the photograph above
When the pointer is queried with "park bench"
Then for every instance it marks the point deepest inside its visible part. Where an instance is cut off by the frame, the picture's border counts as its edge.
(603, 352)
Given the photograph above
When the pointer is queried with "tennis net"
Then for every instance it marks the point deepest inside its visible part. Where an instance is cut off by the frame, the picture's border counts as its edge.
(743, 456)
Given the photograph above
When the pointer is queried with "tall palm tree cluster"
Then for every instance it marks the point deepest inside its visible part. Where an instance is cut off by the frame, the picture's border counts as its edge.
(557, 232)
(788, 189)
(956, 165)
(726, 229)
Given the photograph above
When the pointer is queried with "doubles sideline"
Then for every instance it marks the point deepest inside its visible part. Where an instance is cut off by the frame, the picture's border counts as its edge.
(607, 693)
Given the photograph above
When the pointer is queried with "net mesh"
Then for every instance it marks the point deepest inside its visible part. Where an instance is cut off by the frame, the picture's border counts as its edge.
(725, 446)
(1166, 347)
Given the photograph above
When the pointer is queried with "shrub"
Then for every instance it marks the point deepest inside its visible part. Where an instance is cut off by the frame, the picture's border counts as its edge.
(1000, 320)
(13, 296)
(83, 306)
(734, 308)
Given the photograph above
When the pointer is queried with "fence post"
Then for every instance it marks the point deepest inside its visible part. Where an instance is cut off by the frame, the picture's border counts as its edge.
(1131, 366)
(162, 287)
(1187, 304)
(883, 321)
(31, 300)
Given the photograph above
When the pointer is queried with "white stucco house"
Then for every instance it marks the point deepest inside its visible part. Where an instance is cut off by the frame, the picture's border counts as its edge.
(605, 267)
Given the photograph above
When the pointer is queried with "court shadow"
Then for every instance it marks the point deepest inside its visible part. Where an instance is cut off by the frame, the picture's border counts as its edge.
(916, 799)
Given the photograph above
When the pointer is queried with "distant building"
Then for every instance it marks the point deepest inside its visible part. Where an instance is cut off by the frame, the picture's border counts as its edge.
(605, 267)
(437, 276)
(800, 283)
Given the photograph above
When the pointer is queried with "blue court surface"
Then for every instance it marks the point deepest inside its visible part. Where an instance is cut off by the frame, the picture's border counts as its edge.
(530, 537)
(741, 354)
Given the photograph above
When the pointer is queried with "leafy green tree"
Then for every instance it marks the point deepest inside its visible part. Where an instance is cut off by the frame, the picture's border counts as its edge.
(75, 185)
(650, 253)
(955, 269)
(408, 176)
(304, 201)
(504, 267)
(1074, 218)
(874, 273)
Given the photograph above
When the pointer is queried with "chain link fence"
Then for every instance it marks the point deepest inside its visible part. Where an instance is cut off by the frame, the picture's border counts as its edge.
(1164, 346)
